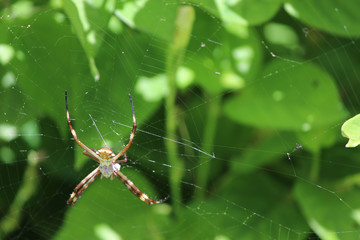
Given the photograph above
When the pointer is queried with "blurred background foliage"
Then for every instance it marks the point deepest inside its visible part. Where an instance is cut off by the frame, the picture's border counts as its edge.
(262, 87)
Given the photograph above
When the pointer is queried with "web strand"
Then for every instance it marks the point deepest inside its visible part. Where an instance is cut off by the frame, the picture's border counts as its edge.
(97, 129)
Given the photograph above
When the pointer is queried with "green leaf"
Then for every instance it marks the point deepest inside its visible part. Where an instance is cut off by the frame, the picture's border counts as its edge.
(245, 12)
(115, 208)
(336, 17)
(328, 216)
(146, 14)
(351, 130)
(89, 18)
(291, 97)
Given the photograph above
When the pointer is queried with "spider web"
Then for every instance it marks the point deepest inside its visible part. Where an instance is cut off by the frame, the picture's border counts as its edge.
(258, 110)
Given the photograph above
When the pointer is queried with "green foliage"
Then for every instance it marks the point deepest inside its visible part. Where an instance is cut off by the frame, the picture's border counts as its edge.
(350, 129)
(326, 223)
(116, 208)
(298, 97)
(244, 104)
(335, 17)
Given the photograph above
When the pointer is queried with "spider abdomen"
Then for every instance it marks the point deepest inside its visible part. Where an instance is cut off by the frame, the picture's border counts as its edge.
(106, 171)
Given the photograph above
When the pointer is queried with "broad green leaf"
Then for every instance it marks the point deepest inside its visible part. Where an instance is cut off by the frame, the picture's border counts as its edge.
(89, 18)
(245, 12)
(154, 17)
(351, 130)
(328, 216)
(114, 206)
(336, 17)
(291, 97)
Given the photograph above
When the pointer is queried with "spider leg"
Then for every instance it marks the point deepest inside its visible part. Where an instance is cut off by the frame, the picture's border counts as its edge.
(136, 191)
(132, 132)
(96, 157)
(123, 160)
(89, 155)
(75, 195)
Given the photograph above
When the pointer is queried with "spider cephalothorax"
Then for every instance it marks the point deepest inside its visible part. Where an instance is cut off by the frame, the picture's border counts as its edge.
(109, 165)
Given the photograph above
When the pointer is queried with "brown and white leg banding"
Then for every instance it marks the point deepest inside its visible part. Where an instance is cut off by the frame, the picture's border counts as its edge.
(83, 185)
(135, 190)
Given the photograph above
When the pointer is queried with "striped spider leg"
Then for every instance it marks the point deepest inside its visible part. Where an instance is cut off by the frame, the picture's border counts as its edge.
(108, 164)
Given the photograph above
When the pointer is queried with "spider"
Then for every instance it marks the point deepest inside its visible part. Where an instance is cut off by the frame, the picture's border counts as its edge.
(109, 165)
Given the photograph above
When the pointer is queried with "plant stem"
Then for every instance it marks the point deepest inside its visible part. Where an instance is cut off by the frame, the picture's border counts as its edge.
(315, 166)
(27, 189)
(182, 33)
(208, 143)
